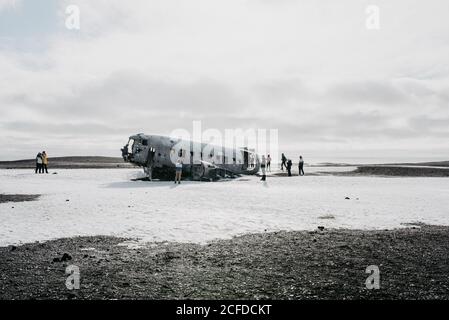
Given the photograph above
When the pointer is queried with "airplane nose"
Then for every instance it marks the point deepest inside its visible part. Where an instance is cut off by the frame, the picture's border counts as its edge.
(124, 151)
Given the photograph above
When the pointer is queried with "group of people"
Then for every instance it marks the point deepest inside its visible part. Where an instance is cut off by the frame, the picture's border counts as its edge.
(42, 162)
(265, 165)
(287, 163)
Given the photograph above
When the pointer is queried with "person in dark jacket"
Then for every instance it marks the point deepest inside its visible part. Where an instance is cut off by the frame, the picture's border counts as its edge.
(39, 163)
(289, 167)
(283, 162)
(301, 166)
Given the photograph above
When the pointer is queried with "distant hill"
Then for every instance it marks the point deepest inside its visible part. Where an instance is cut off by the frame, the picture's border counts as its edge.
(78, 162)
(427, 164)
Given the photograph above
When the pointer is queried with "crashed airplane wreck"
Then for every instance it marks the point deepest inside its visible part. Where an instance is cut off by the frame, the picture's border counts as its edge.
(200, 161)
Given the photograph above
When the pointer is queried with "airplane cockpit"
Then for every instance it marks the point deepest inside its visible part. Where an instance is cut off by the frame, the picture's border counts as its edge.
(135, 149)
(128, 150)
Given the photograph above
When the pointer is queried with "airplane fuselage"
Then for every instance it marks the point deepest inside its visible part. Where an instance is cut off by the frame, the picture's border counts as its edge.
(158, 156)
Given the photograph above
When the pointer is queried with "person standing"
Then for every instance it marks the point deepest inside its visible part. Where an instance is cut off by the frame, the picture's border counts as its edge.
(289, 167)
(178, 172)
(263, 163)
(38, 163)
(301, 166)
(283, 162)
(44, 162)
(269, 163)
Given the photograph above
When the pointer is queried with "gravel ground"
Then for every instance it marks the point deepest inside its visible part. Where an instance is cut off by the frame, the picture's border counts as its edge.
(323, 264)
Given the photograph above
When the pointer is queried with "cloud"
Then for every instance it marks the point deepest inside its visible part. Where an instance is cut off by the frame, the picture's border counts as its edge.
(309, 69)
(9, 4)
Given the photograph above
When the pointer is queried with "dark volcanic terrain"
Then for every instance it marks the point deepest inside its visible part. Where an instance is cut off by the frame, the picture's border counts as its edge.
(18, 197)
(323, 264)
(398, 171)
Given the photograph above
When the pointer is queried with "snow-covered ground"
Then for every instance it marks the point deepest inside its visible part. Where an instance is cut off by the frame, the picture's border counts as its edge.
(106, 202)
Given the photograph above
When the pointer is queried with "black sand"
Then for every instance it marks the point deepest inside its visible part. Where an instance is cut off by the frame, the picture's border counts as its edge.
(395, 171)
(379, 171)
(329, 264)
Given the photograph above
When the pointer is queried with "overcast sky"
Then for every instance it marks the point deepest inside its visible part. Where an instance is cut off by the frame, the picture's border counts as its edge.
(311, 69)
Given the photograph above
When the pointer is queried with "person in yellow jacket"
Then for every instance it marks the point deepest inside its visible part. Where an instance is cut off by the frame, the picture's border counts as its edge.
(44, 161)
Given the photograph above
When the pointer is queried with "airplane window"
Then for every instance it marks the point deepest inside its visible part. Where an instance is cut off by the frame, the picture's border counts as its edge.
(180, 153)
(130, 146)
(145, 142)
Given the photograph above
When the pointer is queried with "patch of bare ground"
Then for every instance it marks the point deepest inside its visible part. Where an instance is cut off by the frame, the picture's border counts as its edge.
(328, 264)
(18, 197)
(326, 217)
(391, 171)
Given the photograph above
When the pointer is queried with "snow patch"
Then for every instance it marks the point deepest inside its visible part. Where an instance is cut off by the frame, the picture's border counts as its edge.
(106, 202)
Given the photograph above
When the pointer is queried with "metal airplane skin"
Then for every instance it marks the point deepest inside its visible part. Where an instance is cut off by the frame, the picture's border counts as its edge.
(158, 156)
